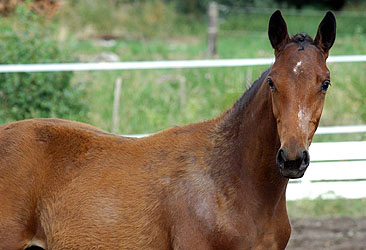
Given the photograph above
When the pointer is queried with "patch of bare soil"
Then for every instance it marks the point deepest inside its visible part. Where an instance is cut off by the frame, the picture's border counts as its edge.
(345, 233)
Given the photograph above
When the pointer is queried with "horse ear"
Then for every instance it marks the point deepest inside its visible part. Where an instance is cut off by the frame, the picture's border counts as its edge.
(277, 31)
(326, 33)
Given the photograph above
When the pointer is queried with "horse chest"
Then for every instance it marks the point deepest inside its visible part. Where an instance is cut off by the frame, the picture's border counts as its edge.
(231, 230)
(253, 232)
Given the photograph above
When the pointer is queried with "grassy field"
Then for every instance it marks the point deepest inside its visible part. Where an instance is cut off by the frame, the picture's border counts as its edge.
(326, 208)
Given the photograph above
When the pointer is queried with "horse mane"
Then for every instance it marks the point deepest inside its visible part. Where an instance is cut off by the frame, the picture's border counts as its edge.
(250, 92)
(230, 117)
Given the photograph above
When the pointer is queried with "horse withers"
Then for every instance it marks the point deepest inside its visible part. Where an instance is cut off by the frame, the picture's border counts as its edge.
(219, 184)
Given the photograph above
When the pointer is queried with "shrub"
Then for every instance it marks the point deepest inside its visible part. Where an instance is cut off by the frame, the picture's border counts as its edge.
(26, 38)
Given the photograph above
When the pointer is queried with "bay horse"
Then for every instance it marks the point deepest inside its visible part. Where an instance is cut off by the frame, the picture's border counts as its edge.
(218, 184)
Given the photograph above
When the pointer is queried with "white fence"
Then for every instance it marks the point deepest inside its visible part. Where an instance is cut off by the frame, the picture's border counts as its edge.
(337, 169)
(51, 67)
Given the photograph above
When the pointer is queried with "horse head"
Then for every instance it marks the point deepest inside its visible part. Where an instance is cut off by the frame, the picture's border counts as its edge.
(298, 82)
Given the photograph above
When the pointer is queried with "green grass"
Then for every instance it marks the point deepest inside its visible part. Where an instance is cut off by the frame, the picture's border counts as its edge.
(326, 208)
(306, 21)
(151, 100)
(340, 137)
(129, 20)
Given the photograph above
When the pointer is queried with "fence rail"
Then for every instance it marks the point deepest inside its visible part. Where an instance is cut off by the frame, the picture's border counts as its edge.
(341, 130)
(173, 64)
(337, 170)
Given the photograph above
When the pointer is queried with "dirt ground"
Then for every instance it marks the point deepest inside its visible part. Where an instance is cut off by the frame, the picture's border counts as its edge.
(328, 234)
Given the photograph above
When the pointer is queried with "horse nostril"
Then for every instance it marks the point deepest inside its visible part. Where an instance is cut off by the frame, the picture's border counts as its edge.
(306, 156)
(281, 158)
(305, 159)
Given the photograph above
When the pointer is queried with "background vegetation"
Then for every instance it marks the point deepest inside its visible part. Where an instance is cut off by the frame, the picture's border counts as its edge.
(24, 38)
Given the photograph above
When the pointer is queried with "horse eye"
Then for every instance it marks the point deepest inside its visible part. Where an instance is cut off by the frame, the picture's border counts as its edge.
(325, 85)
(270, 83)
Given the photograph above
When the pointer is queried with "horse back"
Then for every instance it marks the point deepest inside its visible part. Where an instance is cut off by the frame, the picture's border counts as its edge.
(58, 177)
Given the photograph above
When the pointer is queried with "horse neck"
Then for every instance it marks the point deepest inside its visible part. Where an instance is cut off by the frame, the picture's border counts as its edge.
(245, 145)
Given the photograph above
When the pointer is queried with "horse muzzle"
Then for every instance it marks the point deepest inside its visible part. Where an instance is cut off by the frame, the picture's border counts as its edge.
(293, 168)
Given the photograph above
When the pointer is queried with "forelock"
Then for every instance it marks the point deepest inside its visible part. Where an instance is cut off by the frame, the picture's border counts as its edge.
(302, 39)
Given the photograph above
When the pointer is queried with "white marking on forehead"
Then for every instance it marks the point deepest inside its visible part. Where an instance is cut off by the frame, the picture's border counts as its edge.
(296, 68)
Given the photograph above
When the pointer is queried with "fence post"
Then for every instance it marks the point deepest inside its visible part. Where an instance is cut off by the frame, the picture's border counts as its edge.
(249, 78)
(212, 28)
(117, 95)
(182, 88)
